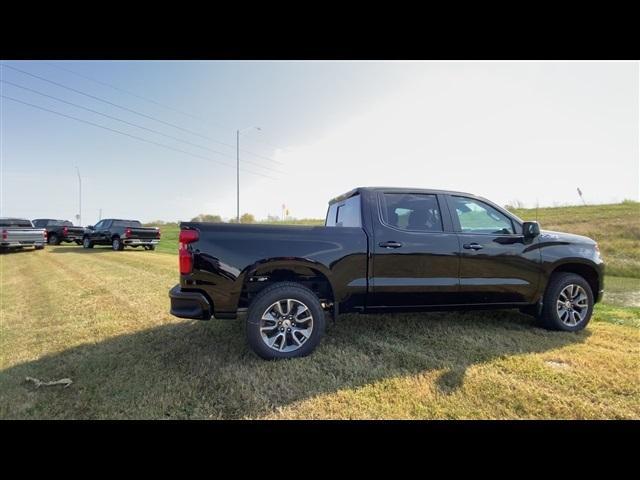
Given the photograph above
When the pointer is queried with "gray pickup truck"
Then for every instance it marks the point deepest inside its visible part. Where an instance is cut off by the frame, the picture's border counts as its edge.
(20, 233)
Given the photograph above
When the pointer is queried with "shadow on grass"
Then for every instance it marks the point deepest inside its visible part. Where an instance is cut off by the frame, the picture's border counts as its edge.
(95, 249)
(205, 370)
(11, 251)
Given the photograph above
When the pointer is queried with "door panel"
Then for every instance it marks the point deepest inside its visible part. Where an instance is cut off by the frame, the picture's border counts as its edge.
(414, 264)
(506, 269)
(497, 265)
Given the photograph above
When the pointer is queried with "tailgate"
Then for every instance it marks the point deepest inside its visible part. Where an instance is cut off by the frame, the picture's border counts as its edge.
(75, 231)
(143, 233)
(25, 236)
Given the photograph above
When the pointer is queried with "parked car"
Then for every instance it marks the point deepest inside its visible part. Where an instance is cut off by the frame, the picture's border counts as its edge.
(19, 233)
(59, 231)
(382, 250)
(121, 233)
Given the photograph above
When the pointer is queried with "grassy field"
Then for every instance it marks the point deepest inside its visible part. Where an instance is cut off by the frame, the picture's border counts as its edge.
(101, 319)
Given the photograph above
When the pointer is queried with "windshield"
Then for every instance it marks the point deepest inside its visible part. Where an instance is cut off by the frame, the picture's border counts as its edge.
(15, 222)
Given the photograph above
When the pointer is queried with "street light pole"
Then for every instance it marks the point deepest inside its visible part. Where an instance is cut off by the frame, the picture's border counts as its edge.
(79, 197)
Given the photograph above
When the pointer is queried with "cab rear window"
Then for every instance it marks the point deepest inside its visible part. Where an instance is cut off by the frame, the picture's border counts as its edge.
(126, 223)
(345, 213)
(15, 223)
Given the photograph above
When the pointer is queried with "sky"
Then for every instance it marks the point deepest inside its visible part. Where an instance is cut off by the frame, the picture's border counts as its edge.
(513, 132)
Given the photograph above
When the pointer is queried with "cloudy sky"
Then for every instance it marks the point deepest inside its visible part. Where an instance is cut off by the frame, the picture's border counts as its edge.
(156, 140)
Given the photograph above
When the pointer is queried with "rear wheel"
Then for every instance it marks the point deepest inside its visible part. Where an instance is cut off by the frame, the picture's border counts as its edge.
(285, 321)
(54, 239)
(151, 247)
(86, 243)
(78, 242)
(117, 244)
(568, 303)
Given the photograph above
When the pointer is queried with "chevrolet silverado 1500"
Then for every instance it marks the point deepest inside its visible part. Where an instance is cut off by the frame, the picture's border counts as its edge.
(17, 233)
(381, 250)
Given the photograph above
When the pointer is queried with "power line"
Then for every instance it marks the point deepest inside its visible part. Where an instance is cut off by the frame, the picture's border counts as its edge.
(135, 125)
(137, 113)
(155, 102)
(132, 136)
(136, 95)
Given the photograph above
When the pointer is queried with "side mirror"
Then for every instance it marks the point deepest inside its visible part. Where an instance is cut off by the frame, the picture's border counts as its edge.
(530, 229)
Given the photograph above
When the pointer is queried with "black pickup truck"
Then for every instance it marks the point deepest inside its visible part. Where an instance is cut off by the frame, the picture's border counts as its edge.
(382, 250)
(59, 231)
(120, 233)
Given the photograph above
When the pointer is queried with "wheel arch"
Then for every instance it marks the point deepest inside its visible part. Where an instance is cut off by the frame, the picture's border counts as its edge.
(585, 269)
(315, 276)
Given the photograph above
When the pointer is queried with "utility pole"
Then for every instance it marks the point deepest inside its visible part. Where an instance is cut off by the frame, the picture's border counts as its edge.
(100, 215)
(79, 197)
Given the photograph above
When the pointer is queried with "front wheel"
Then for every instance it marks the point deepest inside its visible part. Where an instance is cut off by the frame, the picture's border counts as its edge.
(285, 320)
(117, 244)
(54, 240)
(568, 303)
(86, 243)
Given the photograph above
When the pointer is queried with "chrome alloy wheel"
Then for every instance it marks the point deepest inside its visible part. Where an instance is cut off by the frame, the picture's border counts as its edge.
(286, 325)
(572, 305)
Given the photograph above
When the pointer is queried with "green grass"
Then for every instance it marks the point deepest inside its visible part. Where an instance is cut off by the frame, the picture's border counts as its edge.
(101, 318)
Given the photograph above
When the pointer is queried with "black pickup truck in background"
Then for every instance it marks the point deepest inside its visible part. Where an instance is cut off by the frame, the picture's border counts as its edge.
(120, 233)
(59, 231)
(381, 250)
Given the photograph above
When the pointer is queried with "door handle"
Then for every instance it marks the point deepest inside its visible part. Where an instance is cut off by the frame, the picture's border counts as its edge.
(472, 246)
(390, 244)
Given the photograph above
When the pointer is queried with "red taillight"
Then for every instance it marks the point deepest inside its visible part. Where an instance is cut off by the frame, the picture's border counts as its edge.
(127, 232)
(158, 233)
(44, 234)
(4, 234)
(64, 231)
(184, 254)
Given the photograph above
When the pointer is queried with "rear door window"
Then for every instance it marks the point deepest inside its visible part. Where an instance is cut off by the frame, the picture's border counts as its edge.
(411, 211)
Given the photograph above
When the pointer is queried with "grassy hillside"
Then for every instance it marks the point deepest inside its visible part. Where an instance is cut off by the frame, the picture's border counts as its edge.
(615, 227)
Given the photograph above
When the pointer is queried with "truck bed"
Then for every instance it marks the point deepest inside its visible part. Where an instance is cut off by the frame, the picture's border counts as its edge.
(233, 253)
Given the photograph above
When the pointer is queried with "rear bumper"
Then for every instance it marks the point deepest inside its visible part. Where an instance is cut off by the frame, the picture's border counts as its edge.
(18, 243)
(189, 304)
(139, 241)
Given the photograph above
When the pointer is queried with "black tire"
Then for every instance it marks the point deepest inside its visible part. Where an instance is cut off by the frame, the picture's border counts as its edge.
(117, 244)
(78, 242)
(269, 296)
(550, 318)
(151, 247)
(86, 243)
(39, 247)
(54, 239)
